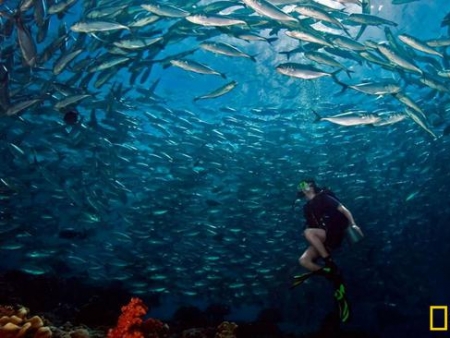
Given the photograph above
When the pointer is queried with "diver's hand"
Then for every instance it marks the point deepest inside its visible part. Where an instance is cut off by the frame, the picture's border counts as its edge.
(357, 228)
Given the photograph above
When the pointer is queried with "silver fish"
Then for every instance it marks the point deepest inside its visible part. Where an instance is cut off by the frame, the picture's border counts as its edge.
(349, 119)
(347, 43)
(64, 60)
(217, 21)
(18, 107)
(389, 118)
(137, 43)
(96, 26)
(165, 10)
(407, 101)
(398, 60)
(225, 49)
(195, 67)
(444, 73)
(218, 92)
(443, 42)
(103, 12)
(434, 84)
(418, 44)
(25, 5)
(144, 21)
(324, 59)
(369, 20)
(419, 121)
(377, 88)
(300, 71)
(265, 8)
(108, 64)
(26, 43)
(308, 36)
(70, 100)
(314, 12)
(61, 6)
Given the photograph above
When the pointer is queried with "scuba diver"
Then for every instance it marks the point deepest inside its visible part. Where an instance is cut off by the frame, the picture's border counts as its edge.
(327, 221)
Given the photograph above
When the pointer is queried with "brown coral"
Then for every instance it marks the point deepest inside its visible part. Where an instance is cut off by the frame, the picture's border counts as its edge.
(15, 324)
(226, 330)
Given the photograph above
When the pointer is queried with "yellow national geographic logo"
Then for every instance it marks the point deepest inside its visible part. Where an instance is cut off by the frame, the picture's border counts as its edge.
(439, 311)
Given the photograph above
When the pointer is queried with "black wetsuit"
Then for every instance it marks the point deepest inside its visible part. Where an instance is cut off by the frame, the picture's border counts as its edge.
(321, 212)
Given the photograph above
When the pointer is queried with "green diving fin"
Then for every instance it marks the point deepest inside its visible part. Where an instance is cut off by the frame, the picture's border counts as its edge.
(343, 305)
(298, 280)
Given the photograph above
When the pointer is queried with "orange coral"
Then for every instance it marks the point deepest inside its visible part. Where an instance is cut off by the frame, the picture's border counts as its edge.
(131, 325)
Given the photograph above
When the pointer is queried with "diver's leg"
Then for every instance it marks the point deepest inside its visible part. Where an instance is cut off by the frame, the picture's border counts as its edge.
(307, 260)
(317, 237)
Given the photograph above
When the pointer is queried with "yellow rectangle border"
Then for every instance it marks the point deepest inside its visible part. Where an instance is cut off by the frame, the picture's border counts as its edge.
(439, 307)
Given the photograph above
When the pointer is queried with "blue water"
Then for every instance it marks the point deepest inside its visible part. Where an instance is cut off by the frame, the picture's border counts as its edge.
(189, 202)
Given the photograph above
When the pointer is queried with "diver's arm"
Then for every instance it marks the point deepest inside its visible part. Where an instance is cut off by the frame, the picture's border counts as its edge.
(349, 216)
(346, 213)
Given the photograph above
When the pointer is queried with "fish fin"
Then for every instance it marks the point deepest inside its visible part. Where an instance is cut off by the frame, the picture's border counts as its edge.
(166, 64)
(288, 54)
(270, 40)
(318, 117)
(99, 39)
(343, 85)
(361, 31)
(349, 72)
(345, 29)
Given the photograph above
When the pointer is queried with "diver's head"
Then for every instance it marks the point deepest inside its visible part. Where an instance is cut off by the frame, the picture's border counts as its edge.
(307, 188)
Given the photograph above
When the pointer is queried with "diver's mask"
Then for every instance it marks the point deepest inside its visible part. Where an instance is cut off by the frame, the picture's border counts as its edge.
(301, 187)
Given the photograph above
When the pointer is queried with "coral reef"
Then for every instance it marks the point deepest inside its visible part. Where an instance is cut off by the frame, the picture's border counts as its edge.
(226, 330)
(131, 325)
(68, 330)
(15, 324)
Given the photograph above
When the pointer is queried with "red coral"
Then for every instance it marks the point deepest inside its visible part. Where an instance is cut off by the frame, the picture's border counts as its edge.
(153, 328)
(129, 323)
